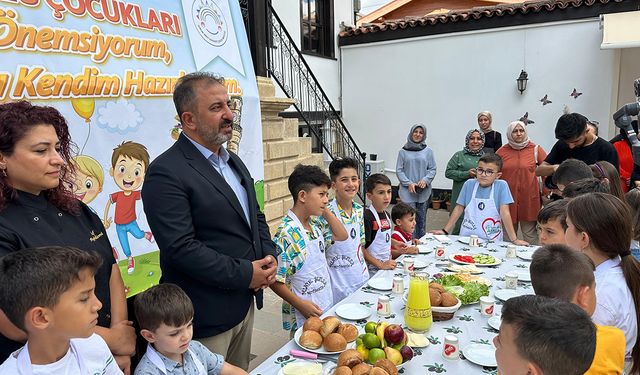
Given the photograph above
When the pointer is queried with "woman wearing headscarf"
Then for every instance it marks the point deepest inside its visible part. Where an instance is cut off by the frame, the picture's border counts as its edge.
(492, 139)
(520, 157)
(462, 166)
(416, 169)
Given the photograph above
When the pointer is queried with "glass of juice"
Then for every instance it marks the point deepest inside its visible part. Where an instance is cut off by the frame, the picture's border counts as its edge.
(417, 313)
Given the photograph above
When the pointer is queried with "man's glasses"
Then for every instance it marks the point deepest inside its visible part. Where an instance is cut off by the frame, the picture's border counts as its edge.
(486, 172)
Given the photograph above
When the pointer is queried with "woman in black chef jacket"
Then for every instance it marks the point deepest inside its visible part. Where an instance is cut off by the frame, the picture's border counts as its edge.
(37, 208)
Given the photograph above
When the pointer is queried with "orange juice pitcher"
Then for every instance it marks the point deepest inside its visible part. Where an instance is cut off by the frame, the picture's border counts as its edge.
(417, 313)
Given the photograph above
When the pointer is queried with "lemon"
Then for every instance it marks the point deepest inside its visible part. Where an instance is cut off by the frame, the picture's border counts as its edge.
(370, 327)
(363, 351)
(371, 341)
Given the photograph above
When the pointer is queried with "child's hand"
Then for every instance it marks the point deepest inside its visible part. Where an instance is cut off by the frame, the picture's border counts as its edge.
(520, 243)
(388, 265)
(415, 241)
(309, 309)
(411, 250)
(436, 232)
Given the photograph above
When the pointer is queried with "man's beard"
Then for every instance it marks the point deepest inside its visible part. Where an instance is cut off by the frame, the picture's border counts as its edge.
(214, 137)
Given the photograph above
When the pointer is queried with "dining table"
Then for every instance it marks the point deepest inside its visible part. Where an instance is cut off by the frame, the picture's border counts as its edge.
(469, 325)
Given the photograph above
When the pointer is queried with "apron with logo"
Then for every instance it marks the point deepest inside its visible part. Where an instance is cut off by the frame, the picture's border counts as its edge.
(482, 217)
(380, 248)
(347, 267)
(312, 281)
(24, 360)
(157, 361)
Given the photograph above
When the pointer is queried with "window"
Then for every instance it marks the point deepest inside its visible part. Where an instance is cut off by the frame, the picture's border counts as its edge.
(316, 18)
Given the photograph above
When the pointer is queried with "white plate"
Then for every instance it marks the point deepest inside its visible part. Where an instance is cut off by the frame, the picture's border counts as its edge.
(424, 249)
(419, 264)
(465, 240)
(353, 311)
(296, 338)
(481, 354)
(494, 322)
(380, 283)
(505, 294)
(523, 274)
(299, 361)
(470, 268)
(427, 343)
(526, 255)
(451, 258)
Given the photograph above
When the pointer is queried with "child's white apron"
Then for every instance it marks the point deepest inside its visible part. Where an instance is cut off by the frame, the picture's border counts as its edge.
(312, 281)
(482, 217)
(380, 248)
(157, 361)
(347, 267)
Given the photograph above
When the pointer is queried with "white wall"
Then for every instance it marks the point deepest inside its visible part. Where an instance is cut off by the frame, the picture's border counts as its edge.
(326, 70)
(629, 71)
(445, 81)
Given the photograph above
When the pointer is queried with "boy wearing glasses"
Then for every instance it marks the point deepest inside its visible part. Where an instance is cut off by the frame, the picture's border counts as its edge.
(485, 202)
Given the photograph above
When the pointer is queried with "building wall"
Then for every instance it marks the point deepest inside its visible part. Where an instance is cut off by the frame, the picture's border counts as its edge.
(444, 81)
(629, 71)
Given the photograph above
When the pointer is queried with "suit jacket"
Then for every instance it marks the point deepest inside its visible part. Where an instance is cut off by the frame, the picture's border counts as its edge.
(206, 244)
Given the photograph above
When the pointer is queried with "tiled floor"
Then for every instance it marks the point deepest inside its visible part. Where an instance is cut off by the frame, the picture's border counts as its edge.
(268, 335)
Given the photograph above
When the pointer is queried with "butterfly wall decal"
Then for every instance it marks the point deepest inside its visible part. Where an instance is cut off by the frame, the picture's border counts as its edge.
(526, 119)
(575, 93)
(545, 100)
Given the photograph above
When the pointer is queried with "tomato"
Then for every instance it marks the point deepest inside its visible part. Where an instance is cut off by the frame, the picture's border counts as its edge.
(464, 258)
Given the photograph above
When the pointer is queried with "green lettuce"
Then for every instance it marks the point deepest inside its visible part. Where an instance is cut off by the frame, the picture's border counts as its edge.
(467, 293)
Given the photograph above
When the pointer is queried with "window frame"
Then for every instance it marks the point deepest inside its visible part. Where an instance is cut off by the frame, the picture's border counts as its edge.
(326, 42)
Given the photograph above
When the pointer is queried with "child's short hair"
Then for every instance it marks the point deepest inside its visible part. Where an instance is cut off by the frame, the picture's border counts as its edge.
(557, 271)
(89, 166)
(585, 186)
(37, 277)
(400, 210)
(163, 303)
(571, 170)
(306, 177)
(338, 165)
(492, 158)
(130, 150)
(557, 336)
(556, 210)
(376, 179)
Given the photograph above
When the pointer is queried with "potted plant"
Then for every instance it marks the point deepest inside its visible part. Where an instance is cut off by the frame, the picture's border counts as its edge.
(436, 202)
(445, 196)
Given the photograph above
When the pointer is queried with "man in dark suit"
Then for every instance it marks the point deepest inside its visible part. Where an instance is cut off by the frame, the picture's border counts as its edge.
(201, 205)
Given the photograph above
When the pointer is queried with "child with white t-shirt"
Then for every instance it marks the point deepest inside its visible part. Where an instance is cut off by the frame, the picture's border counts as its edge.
(48, 292)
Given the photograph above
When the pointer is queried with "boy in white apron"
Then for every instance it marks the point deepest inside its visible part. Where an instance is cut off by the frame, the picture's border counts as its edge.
(377, 224)
(302, 279)
(485, 202)
(404, 221)
(347, 267)
(165, 316)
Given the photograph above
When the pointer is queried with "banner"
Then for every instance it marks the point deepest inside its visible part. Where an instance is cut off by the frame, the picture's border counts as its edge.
(110, 67)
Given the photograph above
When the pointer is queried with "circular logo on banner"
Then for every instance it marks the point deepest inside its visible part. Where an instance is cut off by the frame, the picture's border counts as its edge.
(481, 206)
(210, 22)
(353, 233)
(387, 237)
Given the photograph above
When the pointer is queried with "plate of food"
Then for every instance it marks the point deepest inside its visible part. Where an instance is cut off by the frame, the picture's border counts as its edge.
(301, 367)
(380, 283)
(470, 278)
(465, 240)
(480, 260)
(424, 249)
(494, 322)
(467, 292)
(481, 354)
(353, 311)
(469, 268)
(326, 336)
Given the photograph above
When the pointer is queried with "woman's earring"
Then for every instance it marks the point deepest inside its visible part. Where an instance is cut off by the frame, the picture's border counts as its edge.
(4, 172)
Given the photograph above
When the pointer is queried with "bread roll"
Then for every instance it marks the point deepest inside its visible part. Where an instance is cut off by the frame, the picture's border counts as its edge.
(388, 366)
(437, 287)
(343, 370)
(361, 369)
(329, 325)
(350, 358)
(335, 342)
(312, 324)
(311, 340)
(349, 331)
(435, 297)
(448, 299)
(378, 371)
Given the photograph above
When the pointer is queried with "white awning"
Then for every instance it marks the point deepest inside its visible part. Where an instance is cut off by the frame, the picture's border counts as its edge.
(620, 30)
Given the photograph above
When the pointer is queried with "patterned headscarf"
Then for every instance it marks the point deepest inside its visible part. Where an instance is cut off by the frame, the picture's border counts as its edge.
(480, 152)
(514, 145)
(413, 146)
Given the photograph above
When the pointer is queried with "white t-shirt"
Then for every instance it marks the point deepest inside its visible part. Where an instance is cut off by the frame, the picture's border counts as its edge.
(92, 351)
(614, 303)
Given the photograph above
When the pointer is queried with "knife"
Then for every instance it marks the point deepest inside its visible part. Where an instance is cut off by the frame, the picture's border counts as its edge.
(308, 355)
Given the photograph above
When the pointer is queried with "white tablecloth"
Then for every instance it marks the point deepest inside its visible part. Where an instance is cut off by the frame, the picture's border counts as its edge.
(467, 324)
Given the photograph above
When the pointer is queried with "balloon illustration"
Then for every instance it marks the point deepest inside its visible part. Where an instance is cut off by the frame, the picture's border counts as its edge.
(84, 107)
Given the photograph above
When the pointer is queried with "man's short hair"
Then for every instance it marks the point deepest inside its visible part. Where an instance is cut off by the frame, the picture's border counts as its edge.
(37, 277)
(306, 177)
(376, 179)
(400, 210)
(585, 186)
(163, 303)
(557, 336)
(571, 170)
(184, 94)
(557, 271)
(492, 158)
(337, 165)
(556, 210)
(570, 126)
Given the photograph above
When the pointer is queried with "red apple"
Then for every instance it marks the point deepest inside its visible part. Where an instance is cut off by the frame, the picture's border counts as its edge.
(393, 334)
(407, 353)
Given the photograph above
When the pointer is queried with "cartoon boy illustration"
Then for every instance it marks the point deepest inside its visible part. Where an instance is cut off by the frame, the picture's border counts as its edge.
(129, 163)
(88, 179)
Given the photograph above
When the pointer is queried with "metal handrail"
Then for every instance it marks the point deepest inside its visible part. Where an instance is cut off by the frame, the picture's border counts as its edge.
(287, 66)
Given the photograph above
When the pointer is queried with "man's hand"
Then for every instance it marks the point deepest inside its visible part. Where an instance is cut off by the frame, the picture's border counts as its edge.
(264, 271)
(309, 309)
(472, 172)
(520, 243)
(412, 188)
(122, 337)
(388, 265)
(422, 184)
(124, 363)
(436, 232)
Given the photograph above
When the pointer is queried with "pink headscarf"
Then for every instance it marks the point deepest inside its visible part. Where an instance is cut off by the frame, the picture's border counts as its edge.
(514, 144)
